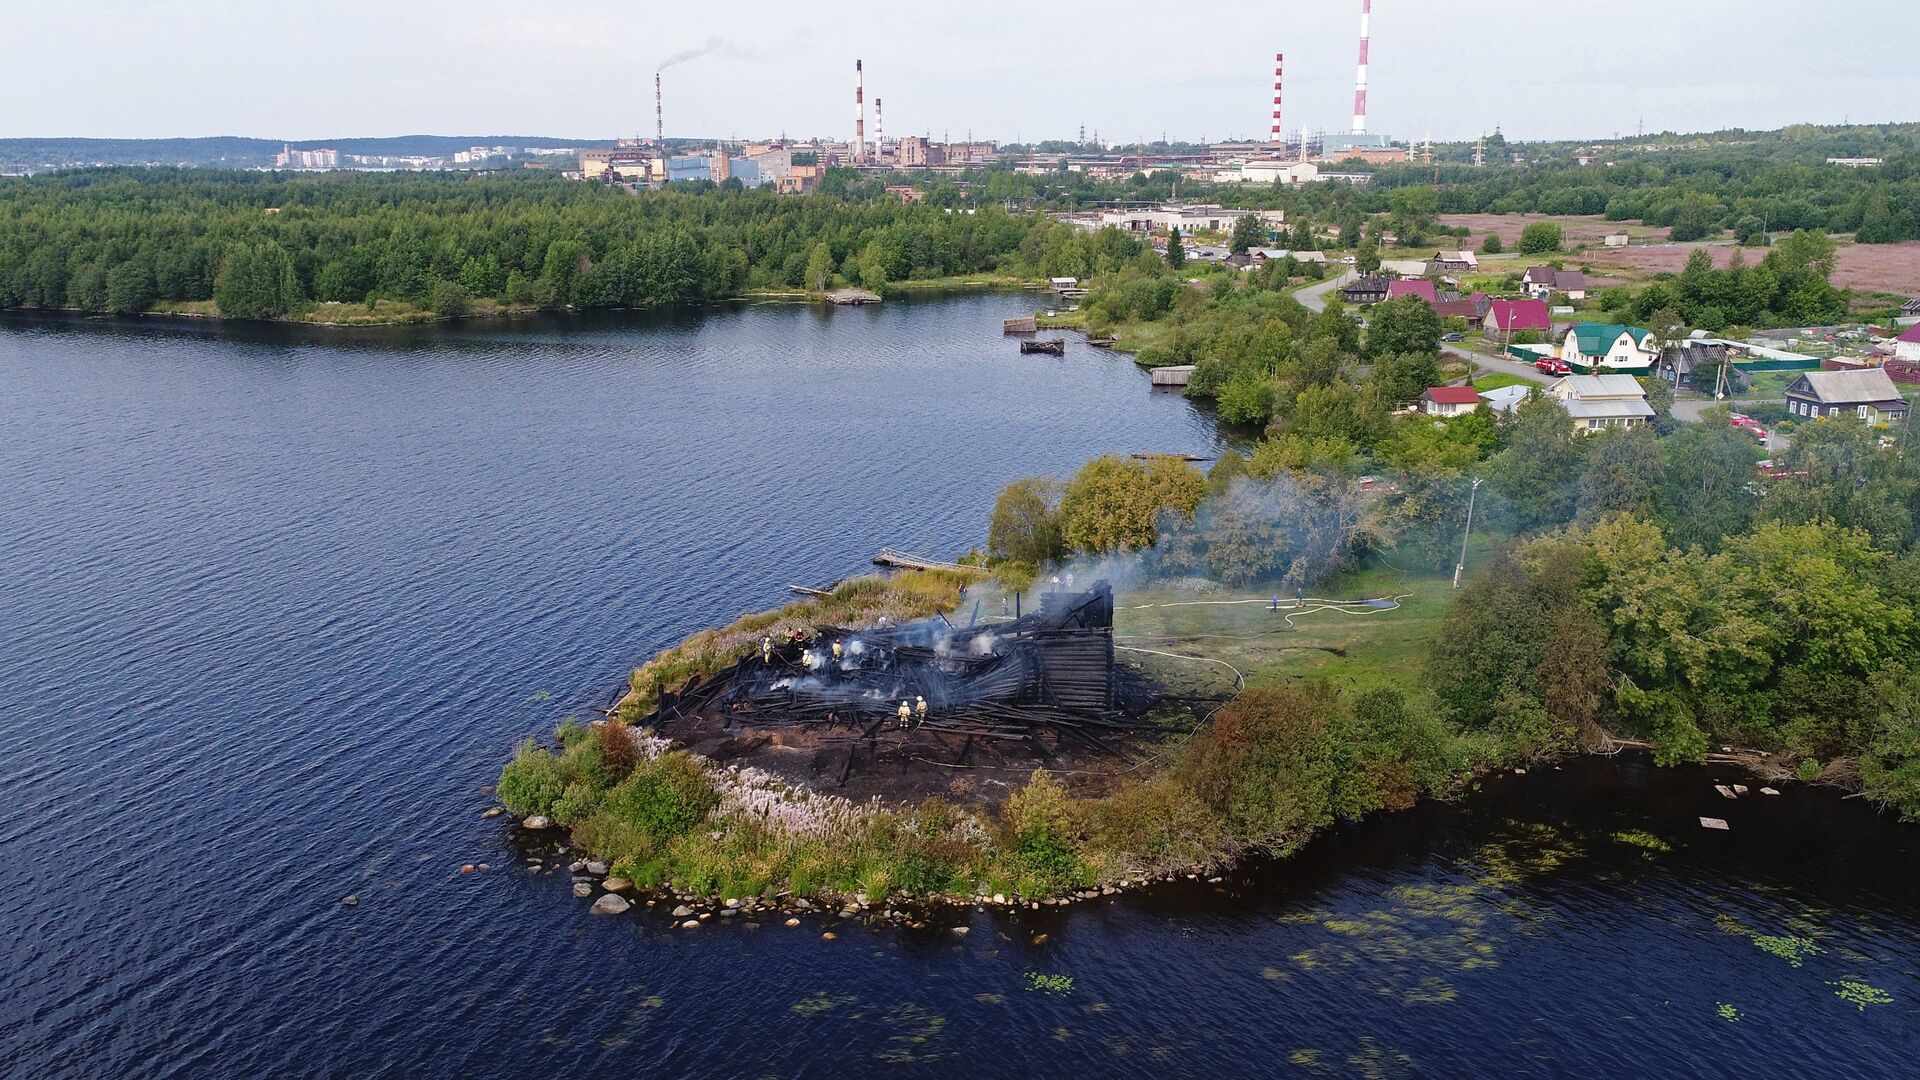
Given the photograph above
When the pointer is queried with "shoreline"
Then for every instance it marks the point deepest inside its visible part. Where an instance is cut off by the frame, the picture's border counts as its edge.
(969, 283)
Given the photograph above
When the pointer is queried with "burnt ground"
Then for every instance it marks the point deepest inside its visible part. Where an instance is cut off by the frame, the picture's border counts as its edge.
(905, 767)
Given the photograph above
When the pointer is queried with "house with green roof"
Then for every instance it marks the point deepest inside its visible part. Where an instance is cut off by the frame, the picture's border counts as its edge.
(1609, 349)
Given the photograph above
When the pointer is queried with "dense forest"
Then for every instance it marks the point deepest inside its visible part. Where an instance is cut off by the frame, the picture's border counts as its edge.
(264, 245)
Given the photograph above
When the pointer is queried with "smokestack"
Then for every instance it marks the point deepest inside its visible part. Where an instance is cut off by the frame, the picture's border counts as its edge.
(659, 117)
(1279, 134)
(879, 132)
(859, 112)
(1360, 84)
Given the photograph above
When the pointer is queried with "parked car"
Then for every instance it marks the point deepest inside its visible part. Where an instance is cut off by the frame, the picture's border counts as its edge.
(1552, 365)
(1455, 336)
(1743, 422)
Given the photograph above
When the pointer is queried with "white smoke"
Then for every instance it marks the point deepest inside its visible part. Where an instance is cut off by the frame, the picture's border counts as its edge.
(714, 46)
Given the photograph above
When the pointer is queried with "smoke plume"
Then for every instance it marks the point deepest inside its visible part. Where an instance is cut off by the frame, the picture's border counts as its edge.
(713, 46)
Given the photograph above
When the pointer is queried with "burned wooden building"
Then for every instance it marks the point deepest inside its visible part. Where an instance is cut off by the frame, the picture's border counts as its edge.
(1047, 671)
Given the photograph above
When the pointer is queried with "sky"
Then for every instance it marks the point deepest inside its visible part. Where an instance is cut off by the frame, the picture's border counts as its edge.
(1000, 69)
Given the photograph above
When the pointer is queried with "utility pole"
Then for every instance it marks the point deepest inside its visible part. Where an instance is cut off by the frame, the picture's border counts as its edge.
(1461, 567)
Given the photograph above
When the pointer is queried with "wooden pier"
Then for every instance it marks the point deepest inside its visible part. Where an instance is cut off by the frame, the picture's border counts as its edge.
(1024, 324)
(1178, 375)
(900, 560)
(1054, 347)
(853, 297)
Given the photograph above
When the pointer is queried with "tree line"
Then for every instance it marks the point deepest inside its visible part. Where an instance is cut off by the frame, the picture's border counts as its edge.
(265, 245)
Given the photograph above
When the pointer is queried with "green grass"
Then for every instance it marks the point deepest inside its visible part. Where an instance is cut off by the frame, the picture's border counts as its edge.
(1380, 648)
(1498, 380)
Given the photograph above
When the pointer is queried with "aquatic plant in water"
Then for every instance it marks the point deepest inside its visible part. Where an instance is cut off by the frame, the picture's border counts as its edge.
(1855, 992)
(1050, 983)
(1787, 947)
(1728, 1013)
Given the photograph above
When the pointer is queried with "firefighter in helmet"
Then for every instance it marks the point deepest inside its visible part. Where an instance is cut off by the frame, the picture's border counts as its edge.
(906, 716)
(919, 710)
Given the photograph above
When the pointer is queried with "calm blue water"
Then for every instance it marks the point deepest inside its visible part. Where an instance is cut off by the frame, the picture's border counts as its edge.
(275, 605)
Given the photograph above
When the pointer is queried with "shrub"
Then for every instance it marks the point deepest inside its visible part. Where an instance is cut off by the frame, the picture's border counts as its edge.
(1493, 244)
(576, 803)
(530, 783)
(665, 797)
(1541, 237)
(617, 753)
(1041, 819)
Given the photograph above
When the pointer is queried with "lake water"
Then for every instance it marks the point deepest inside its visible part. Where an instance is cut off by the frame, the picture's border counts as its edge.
(276, 604)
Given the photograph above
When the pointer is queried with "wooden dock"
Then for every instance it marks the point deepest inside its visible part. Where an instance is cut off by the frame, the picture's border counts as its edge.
(1178, 375)
(1055, 347)
(1025, 324)
(900, 560)
(853, 297)
(1103, 342)
(1177, 457)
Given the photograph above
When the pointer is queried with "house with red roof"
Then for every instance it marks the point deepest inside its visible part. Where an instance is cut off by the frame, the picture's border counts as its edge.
(1471, 308)
(1449, 400)
(1907, 345)
(1420, 287)
(1504, 318)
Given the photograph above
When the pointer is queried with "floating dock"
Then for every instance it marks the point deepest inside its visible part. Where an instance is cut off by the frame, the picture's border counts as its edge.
(1178, 375)
(853, 297)
(1055, 347)
(1025, 324)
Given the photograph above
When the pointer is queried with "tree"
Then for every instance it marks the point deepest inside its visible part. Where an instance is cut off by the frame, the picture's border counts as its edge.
(129, 288)
(1025, 525)
(1493, 245)
(1541, 238)
(1115, 504)
(1402, 377)
(1707, 495)
(1249, 231)
(819, 268)
(1537, 475)
(1406, 325)
(1751, 231)
(1176, 252)
(1366, 257)
(1622, 474)
(257, 281)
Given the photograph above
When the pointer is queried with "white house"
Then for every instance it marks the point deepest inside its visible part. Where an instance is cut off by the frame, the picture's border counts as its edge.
(1541, 282)
(1404, 267)
(1600, 402)
(1591, 348)
(1907, 345)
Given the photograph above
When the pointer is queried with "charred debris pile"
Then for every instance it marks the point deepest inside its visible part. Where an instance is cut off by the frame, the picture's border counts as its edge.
(1046, 682)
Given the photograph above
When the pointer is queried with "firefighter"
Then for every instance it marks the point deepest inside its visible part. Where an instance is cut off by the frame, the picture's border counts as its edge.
(837, 650)
(906, 716)
(806, 659)
(766, 650)
(919, 710)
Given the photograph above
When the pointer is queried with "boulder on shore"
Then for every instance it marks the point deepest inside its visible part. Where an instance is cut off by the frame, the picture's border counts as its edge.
(583, 889)
(597, 868)
(616, 884)
(610, 904)
(682, 911)
(537, 821)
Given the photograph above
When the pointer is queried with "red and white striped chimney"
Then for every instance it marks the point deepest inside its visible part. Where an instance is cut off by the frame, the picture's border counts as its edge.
(1279, 134)
(859, 112)
(1360, 86)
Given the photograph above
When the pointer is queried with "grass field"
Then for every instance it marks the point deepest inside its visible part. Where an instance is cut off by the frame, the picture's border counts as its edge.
(1380, 647)
(1498, 380)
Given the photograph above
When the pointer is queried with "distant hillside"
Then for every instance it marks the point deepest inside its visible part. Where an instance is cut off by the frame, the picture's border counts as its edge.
(239, 153)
